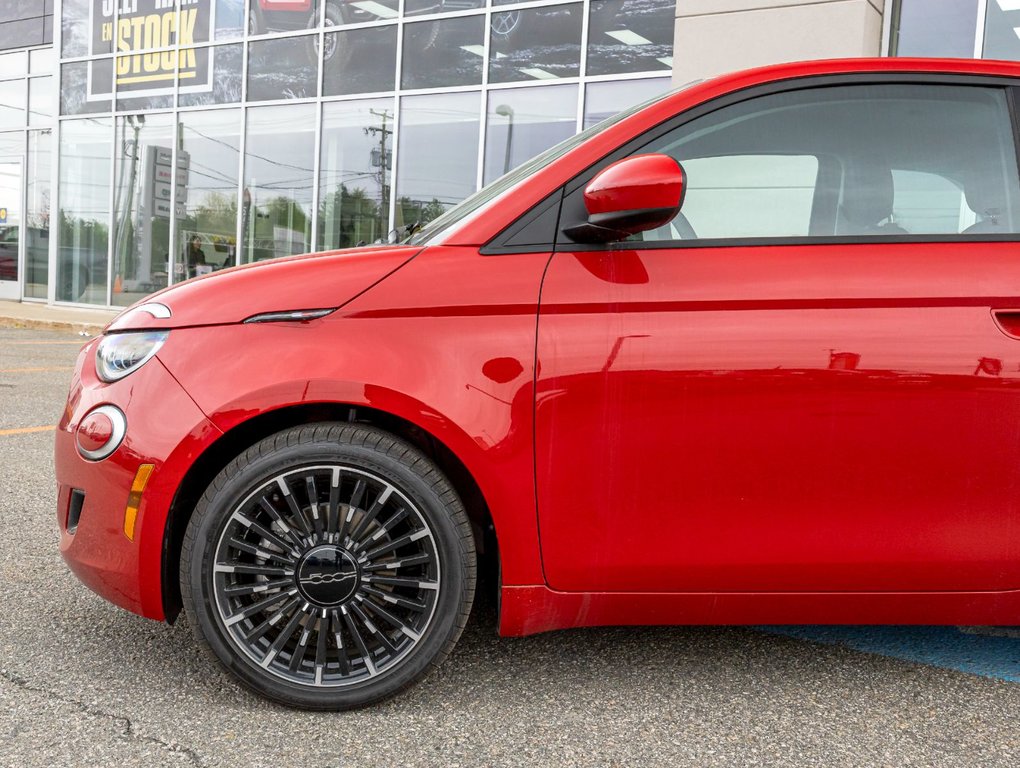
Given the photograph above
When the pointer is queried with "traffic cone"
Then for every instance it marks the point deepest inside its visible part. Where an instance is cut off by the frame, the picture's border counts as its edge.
(117, 287)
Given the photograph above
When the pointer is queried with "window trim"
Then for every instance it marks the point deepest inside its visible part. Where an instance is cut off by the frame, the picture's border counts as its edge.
(557, 242)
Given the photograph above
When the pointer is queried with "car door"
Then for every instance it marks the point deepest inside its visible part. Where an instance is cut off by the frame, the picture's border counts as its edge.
(810, 380)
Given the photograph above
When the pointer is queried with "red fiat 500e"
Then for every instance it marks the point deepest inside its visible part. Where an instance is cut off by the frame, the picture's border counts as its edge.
(748, 353)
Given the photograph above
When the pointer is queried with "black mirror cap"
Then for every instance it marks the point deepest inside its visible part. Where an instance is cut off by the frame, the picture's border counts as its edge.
(619, 225)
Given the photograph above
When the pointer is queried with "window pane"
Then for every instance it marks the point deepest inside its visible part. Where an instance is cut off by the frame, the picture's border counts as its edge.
(418, 7)
(207, 166)
(230, 19)
(438, 160)
(37, 214)
(40, 101)
(281, 17)
(84, 209)
(13, 64)
(141, 239)
(356, 172)
(86, 87)
(360, 61)
(278, 178)
(359, 11)
(445, 52)
(225, 64)
(1001, 40)
(282, 69)
(632, 36)
(76, 38)
(603, 100)
(535, 43)
(523, 122)
(12, 104)
(11, 180)
(889, 160)
(41, 61)
(936, 28)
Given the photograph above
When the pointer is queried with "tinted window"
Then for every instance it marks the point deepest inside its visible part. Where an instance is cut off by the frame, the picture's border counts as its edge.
(851, 161)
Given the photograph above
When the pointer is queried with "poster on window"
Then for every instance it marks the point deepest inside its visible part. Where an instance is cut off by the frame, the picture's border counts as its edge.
(154, 45)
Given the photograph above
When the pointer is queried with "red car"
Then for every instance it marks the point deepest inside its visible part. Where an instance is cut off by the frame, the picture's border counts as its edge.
(748, 353)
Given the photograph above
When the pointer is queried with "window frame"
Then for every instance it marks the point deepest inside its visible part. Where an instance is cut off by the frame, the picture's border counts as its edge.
(572, 211)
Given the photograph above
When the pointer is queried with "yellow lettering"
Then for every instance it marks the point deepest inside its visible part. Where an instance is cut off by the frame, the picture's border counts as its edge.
(186, 33)
(123, 44)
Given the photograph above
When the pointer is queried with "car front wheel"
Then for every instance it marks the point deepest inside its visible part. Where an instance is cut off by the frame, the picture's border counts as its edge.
(329, 566)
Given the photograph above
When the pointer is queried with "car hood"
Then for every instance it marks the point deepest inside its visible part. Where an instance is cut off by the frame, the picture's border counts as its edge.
(314, 281)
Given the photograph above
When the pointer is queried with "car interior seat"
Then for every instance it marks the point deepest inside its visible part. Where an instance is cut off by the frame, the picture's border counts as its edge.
(867, 205)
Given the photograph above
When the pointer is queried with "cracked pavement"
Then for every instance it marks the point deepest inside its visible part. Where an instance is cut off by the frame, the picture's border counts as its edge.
(83, 683)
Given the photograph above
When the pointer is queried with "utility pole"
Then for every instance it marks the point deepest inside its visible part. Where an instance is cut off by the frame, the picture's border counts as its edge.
(384, 165)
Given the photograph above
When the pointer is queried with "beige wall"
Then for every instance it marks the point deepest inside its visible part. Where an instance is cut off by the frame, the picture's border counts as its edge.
(717, 36)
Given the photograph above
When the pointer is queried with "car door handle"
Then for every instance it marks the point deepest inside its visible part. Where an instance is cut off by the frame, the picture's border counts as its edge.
(1008, 321)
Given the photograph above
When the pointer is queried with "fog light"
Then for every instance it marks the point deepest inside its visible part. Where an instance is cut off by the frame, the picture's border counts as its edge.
(100, 432)
(135, 498)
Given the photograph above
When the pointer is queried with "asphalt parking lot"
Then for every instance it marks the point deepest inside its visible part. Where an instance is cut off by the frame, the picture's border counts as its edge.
(83, 683)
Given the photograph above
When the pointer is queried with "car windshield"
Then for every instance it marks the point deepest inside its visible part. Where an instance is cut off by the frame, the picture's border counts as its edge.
(487, 194)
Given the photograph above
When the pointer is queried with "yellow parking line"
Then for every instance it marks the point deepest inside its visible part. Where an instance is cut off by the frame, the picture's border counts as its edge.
(38, 369)
(25, 430)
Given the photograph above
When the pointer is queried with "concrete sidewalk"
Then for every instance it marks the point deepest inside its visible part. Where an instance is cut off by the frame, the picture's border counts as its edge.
(16, 314)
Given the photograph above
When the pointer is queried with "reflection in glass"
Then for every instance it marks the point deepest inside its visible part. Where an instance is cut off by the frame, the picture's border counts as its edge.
(418, 7)
(86, 86)
(37, 214)
(360, 11)
(1001, 41)
(438, 162)
(75, 31)
(40, 101)
(603, 100)
(268, 17)
(283, 68)
(276, 201)
(522, 122)
(41, 61)
(225, 61)
(142, 204)
(207, 163)
(84, 209)
(229, 23)
(360, 61)
(13, 64)
(631, 36)
(10, 227)
(355, 174)
(935, 28)
(444, 52)
(535, 43)
(12, 104)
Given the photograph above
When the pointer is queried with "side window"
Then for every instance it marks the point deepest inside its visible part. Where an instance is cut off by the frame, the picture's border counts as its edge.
(848, 161)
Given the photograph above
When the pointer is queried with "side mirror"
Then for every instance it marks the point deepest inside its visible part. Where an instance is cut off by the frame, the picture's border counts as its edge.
(632, 195)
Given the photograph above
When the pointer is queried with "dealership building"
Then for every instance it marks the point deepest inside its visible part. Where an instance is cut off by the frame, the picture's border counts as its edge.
(143, 142)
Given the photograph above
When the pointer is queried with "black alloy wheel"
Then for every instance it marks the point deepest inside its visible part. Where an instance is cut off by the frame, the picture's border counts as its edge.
(336, 51)
(329, 566)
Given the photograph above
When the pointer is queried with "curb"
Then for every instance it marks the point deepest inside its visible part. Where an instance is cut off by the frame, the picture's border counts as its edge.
(89, 329)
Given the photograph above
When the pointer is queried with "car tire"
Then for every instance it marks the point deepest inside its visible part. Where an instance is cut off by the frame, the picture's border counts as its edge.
(365, 546)
(338, 51)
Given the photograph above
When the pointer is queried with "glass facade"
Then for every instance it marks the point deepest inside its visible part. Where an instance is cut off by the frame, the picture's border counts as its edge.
(177, 137)
(199, 134)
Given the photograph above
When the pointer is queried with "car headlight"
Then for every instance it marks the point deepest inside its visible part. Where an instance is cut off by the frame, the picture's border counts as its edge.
(119, 354)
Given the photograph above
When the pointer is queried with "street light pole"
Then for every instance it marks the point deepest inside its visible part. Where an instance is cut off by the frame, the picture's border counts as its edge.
(507, 111)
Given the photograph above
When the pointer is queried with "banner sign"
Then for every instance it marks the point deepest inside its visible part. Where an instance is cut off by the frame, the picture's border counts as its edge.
(138, 29)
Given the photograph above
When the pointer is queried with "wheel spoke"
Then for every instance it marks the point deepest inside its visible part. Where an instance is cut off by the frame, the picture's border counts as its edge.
(255, 587)
(396, 544)
(335, 627)
(282, 638)
(358, 640)
(271, 621)
(256, 607)
(378, 610)
(320, 647)
(292, 504)
(266, 554)
(382, 529)
(404, 562)
(270, 510)
(333, 515)
(403, 602)
(313, 502)
(394, 581)
(265, 533)
(371, 513)
(368, 624)
(302, 647)
(252, 570)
